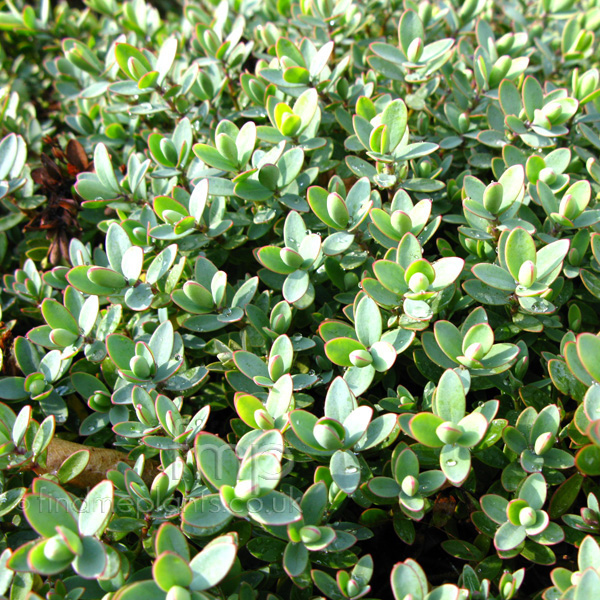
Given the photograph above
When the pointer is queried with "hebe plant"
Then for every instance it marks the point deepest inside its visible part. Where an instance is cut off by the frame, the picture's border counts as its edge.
(300, 300)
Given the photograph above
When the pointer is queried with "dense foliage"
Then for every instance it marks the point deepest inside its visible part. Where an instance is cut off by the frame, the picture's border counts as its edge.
(300, 299)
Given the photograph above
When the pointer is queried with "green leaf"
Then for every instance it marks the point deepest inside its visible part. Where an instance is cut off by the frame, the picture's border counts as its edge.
(450, 403)
(131, 266)
(391, 275)
(588, 351)
(43, 436)
(512, 181)
(295, 559)
(106, 279)
(510, 100)
(519, 248)
(384, 487)
(274, 509)
(448, 338)
(148, 590)
(262, 471)
(205, 515)
(8, 151)
(73, 465)
(13, 388)
(161, 264)
(250, 365)
(8, 500)
(410, 28)
(216, 460)
(338, 350)
(408, 578)
(37, 560)
(58, 317)
(121, 350)
(587, 460)
(170, 569)
(270, 257)
(306, 106)
(45, 513)
(565, 495)
(104, 168)
(89, 314)
(549, 259)
(533, 96)
(125, 52)
(289, 166)
(588, 586)
(212, 157)
(345, 470)
(495, 507)
(96, 510)
(317, 199)
(327, 585)
(481, 334)
(383, 355)
(368, 322)
(494, 276)
(423, 427)
(92, 562)
(339, 402)
(485, 294)
(295, 286)
(509, 536)
(456, 463)
(394, 118)
(533, 491)
(161, 343)
(447, 270)
(377, 432)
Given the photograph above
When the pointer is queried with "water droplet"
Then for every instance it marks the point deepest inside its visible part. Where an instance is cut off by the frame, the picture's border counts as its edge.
(537, 307)
(297, 337)
(292, 240)
(360, 285)
(350, 470)
(311, 373)
(227, 312)
(451, 462)
(201, 329)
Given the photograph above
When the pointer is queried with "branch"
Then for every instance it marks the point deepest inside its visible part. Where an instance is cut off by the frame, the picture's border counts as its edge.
(101, 461)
